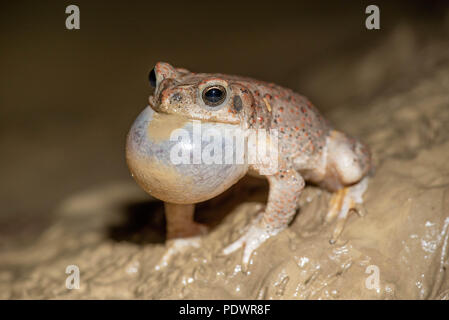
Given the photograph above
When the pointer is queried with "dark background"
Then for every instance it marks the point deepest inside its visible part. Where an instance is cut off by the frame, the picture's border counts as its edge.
(68, 97)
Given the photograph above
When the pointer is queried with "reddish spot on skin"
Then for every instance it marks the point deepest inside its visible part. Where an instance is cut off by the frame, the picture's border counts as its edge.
(303, 110)
(281, 109)
(296, 128)
(260, 119)
(312, 147)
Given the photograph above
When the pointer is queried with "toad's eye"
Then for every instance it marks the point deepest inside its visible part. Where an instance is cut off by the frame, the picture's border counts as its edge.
(214, 95)
(152, 78)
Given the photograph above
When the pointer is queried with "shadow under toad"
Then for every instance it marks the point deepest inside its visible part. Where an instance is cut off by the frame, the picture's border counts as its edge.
(144, 222)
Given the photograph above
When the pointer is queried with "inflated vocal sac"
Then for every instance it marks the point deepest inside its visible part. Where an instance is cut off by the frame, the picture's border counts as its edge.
(174, 159)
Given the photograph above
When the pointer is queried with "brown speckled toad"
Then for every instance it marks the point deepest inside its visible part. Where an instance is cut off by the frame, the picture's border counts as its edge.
(308, 146)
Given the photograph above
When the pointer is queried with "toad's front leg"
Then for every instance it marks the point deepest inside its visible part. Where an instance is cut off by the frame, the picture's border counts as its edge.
(182, 230)
(285, 188)
(180, 223)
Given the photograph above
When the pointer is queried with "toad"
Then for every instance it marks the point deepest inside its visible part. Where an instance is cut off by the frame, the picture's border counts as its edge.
(308, 148)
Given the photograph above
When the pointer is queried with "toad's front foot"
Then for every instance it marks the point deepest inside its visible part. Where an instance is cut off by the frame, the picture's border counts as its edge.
(175, 247)
(342, 203)
(255, 235)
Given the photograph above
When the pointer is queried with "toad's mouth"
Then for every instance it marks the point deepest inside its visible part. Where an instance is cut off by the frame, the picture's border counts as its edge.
(190, 117)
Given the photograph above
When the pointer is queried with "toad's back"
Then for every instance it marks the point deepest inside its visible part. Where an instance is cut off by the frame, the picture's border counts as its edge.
(301, 127)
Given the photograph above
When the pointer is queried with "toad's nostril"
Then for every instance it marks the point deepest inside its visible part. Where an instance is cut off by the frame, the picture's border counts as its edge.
(176, 97)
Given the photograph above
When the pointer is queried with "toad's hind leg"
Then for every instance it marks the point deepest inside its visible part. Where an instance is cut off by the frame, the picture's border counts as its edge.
(343, 202)
(348, 162)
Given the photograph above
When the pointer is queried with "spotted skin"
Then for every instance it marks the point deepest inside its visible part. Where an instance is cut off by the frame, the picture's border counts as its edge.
(310, 148)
